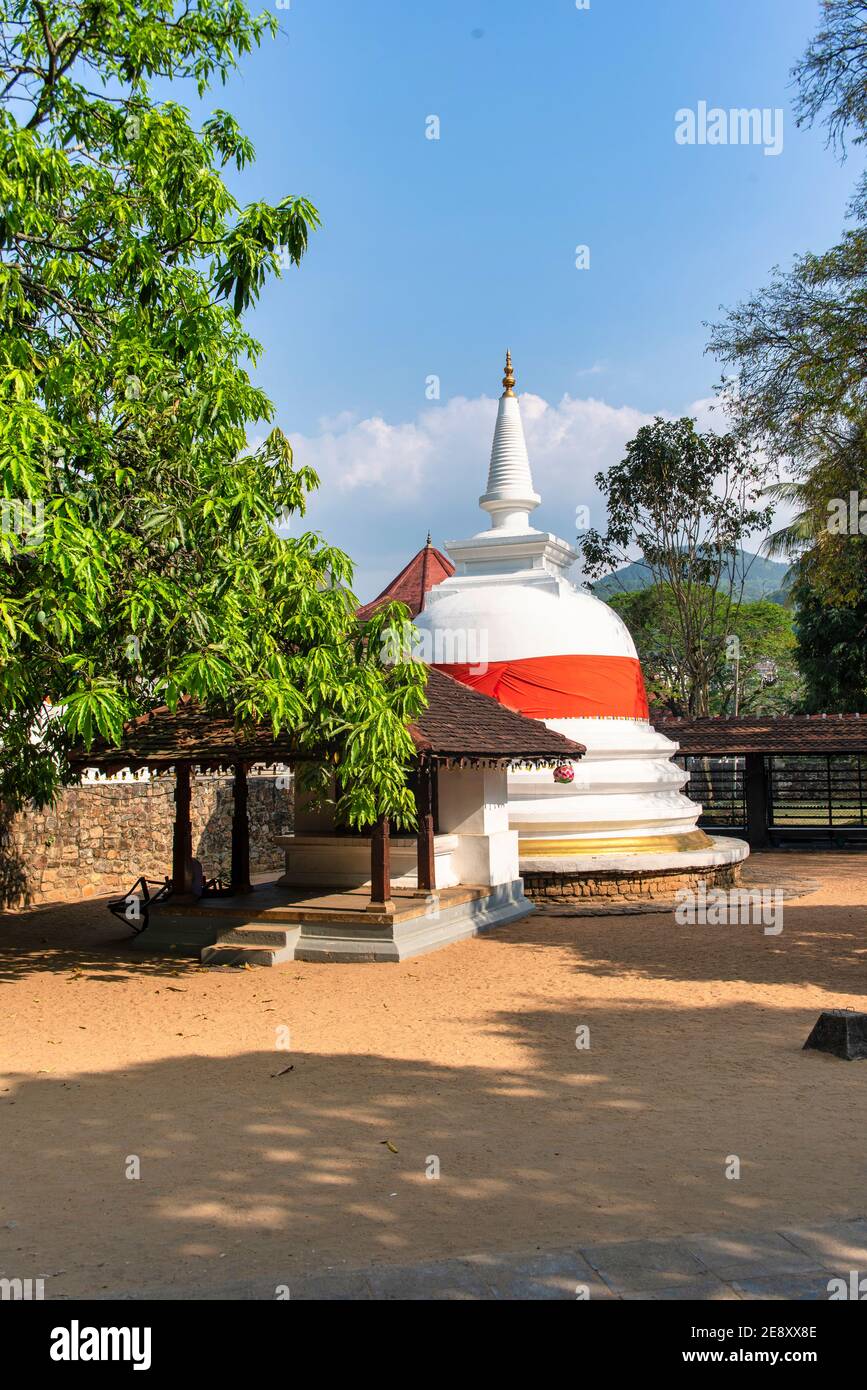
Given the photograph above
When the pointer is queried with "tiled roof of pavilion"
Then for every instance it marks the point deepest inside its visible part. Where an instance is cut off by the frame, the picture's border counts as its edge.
(458, 725)
(792, 734)
(463, 723)
(411, 586)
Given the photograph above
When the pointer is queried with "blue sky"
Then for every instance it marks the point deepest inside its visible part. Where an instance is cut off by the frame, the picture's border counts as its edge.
(557, 129)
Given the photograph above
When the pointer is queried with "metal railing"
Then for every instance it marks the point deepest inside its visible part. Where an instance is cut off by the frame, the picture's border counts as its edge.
(809, 797)
(718, 784)
(817, 791)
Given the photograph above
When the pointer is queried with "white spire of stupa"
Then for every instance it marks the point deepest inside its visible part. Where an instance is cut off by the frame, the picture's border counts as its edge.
(509, 497)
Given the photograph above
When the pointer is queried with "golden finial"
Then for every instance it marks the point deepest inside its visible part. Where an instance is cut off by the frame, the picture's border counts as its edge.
(509, 378)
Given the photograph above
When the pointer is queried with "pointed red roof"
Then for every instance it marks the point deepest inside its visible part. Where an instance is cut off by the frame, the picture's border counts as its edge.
(412, 585)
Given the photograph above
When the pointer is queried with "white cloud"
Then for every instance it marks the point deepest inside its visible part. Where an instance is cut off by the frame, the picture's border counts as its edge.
(384, 485)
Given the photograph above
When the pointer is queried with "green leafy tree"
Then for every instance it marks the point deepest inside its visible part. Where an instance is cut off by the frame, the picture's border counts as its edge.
(685, 502)
(798, 349)
(755, 668)
(140, 557)
(651, 616)
(799, 346)
(831, 653)
(761, 673)
(827, 536)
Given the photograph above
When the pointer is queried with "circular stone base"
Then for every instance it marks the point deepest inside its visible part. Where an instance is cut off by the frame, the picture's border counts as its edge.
(630, 878)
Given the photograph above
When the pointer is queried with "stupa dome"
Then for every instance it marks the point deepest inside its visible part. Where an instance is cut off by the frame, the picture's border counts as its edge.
(549, 649)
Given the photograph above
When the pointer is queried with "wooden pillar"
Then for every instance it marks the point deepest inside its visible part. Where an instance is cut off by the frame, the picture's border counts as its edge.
(240, 833)
(426, 870)
(380, 868)
(182, 838)
(756, 799)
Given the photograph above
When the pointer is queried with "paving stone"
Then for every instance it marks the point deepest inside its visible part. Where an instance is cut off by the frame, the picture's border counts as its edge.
(446, 1279)
(555, 1275)
(709, 1290)
(797, 1288)
(635, 1265)
(750, 1254)
(343, 1286)
(787, 1265)
(839, 1245)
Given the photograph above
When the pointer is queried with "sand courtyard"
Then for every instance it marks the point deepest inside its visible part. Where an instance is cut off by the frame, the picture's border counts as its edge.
(166, 1126)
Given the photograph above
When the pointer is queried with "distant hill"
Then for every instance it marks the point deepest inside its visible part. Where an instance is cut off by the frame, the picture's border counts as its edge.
(765, 579)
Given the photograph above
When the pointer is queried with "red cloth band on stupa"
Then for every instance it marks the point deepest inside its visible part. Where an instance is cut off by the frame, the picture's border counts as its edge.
(561, 687)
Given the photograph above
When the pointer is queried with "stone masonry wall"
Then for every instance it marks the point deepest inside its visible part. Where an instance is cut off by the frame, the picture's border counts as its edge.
(100, 836)
(619, 887)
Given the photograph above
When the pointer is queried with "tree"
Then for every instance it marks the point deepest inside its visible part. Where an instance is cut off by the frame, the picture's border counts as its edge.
(651, 616)
(833, 73)
(761, 674)
(755, 670)
(828, 534)
(684, 501)
(799, 346)
(799, 351)
(832, 653)
(140, 555)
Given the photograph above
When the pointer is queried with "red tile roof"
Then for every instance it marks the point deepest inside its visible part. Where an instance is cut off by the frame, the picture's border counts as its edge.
(813, 733)
(411, 586)
(457, 724)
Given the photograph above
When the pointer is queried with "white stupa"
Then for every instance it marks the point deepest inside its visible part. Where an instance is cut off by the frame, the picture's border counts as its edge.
(522, 632)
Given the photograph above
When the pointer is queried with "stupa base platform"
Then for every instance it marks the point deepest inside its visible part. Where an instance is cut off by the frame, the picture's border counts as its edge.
(631, 875)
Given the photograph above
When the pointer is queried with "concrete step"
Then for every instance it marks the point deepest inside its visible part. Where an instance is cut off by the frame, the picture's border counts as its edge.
(257, 936)
(241, 946)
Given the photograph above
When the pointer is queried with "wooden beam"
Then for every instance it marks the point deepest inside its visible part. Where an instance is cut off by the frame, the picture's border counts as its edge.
(182, 838)
(380, 868)
(426, 856)
(240, 872)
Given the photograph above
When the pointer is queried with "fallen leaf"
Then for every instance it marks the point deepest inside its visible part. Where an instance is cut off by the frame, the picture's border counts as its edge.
(388, 1144)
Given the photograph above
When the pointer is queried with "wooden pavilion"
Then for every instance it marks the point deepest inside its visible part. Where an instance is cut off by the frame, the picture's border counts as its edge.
(460, 732)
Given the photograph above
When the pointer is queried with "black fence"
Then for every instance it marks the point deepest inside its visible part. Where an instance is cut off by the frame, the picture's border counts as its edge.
(718, 783)
(810, 798)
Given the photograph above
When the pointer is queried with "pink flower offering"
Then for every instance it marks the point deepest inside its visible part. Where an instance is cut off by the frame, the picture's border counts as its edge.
(564, 773)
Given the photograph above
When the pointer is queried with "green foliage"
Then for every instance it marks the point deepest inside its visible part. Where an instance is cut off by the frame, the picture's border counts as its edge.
(769, 680)
(832, 75)
(799, 349)
(765, 678)
(828, 534)
(149, 565)
(832, 653)
(685, 501)
(799, 346)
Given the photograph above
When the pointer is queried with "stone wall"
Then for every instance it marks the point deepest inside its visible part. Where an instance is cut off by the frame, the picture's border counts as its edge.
(619, 887)
(100, 836)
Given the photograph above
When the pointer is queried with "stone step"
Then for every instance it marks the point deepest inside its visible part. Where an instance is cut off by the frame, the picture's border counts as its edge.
(257, 936)
(247, 955)
(252, 946)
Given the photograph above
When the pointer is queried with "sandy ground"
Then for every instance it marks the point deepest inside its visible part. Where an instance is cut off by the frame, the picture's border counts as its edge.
(469, 1055)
